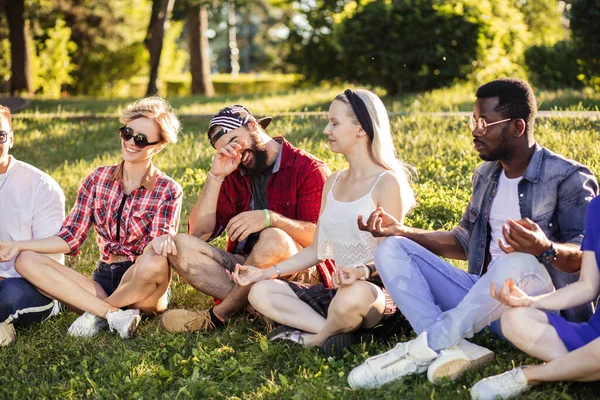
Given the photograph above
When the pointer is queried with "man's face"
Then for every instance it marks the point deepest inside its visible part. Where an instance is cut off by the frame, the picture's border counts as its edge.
(254, 153)
(4, 147)
(494, 145)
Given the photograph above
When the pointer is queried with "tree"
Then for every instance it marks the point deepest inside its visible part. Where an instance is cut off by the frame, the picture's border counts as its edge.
(585, 15)
(161, 10)
(197, 19)
(20, 47)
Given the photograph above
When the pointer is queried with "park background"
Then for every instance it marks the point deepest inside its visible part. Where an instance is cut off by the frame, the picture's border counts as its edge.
(70, 66)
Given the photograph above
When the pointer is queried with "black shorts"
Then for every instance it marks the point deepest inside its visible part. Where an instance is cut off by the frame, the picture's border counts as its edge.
(109, 275)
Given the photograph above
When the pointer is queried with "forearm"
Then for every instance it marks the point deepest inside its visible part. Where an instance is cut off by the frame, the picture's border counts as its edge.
(568, 257)
(203, 215)
(301, 231)
(300, 261)
(51, 245)
(573, 295)
(441, 243)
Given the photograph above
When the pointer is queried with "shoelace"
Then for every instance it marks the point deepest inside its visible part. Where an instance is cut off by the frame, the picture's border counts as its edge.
(202, 322)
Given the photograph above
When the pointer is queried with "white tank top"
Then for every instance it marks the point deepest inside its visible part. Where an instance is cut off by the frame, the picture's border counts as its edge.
(339, 236)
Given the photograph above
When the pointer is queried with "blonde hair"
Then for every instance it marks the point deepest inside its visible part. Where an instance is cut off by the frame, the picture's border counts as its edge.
(5, 113)
(382, 148)
(158, 110)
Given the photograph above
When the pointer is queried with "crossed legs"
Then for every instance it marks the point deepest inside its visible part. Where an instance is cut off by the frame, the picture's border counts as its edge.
(360, 304)
(204, 267)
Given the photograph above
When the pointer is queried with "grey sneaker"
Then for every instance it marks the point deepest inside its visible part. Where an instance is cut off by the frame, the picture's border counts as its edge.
(7, 334)
(505, 386)
(125, 322)
(86, 325)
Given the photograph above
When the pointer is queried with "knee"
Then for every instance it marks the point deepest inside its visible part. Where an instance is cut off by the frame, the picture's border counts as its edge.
(352, 300)
(184, 243)
(259, 295)
(26, 262)
(513, 321)
(273, 245)
(395, 246)
(151, 268)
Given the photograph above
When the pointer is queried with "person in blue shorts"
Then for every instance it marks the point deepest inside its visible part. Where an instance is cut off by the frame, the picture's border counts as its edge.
(571, 350)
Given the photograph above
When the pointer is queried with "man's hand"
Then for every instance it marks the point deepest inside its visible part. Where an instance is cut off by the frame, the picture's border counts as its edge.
(380, 224)
(164, 245)
(8, 250)
(510, 295)
(524, 236)
(246, 274)
(227, 159)
(246, 223)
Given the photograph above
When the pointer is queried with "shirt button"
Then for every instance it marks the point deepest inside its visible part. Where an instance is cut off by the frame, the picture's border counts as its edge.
(550, 224)
(520, 194)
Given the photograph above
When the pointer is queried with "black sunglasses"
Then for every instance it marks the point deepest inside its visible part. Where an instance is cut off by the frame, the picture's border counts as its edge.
(139, 140)
(3, 137)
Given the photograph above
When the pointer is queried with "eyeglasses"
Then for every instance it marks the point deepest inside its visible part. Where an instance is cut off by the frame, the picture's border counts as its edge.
(3, 136)
(139, 140)
(482, 125)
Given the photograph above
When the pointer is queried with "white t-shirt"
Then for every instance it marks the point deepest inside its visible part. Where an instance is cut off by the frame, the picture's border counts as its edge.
(32, 206)
(505, 206)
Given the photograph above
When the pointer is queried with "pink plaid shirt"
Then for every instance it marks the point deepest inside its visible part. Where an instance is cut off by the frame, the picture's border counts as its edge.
(151, 210)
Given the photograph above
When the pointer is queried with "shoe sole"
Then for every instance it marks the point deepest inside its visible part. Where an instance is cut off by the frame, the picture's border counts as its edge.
(454, 369)
(132, 327)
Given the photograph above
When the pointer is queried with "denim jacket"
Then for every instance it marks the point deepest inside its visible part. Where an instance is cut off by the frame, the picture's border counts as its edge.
(554, 193)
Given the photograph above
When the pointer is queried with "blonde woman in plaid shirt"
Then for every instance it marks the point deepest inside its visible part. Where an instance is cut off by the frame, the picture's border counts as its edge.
(134, 209)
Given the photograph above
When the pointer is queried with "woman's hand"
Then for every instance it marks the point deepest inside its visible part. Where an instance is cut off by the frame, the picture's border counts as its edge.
(9, 250)
(380, 224)
(246, 274)
(346, 276)
(164, 245)
(510, 295)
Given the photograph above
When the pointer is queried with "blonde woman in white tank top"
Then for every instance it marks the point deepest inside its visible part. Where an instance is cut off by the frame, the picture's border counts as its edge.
(358, 128)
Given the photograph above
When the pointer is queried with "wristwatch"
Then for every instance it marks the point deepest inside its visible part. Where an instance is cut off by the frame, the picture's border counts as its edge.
(548, 257)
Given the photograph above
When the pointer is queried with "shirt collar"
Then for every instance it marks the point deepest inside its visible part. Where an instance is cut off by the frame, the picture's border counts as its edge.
(532, 173)
(148, 181)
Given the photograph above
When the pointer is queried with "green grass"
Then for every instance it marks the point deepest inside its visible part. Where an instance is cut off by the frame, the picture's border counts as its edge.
(238, 362)
(456, 98)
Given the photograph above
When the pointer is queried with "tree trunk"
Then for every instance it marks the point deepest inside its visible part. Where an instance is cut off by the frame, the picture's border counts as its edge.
(161, 10)
(234, 52)
(197, 18)
(20, 48)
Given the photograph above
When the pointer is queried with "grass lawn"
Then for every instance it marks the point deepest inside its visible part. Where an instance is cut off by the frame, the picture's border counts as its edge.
(238, 362)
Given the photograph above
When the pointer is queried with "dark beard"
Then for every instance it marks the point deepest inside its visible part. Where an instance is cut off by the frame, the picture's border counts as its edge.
(501, 152)
(260, 161)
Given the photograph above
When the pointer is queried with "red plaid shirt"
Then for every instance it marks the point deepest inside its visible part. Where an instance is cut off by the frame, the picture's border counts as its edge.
(294, 191)
(151, 210)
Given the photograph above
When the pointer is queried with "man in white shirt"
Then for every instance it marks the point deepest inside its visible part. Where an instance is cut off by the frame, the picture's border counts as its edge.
(32, 206)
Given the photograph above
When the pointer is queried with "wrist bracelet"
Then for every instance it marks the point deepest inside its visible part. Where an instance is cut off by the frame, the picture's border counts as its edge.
(267, 218)
(277, 270)
(215, 178)
(367, 269)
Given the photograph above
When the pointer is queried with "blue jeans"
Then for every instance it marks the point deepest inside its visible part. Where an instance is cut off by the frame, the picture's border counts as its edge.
(447, 302)
(21, 303)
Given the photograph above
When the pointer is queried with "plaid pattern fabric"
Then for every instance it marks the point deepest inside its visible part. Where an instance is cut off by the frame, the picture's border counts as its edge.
(151, 210)
(294, 191)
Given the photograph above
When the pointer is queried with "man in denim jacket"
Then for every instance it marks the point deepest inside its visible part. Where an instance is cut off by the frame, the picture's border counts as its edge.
(524, 221)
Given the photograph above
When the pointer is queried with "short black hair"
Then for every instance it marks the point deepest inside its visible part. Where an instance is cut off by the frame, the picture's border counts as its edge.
(515, 99)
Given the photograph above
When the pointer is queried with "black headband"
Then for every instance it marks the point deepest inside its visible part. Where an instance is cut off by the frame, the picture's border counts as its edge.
(361, 112)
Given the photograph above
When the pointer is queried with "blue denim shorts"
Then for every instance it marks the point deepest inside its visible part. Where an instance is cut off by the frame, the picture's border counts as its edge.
(109, 276)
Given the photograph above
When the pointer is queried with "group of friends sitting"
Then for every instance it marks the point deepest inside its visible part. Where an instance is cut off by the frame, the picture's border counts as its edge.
(324, 257)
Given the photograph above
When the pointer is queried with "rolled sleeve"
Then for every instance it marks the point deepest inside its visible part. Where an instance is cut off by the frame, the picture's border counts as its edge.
(75, 228)
(574, 195)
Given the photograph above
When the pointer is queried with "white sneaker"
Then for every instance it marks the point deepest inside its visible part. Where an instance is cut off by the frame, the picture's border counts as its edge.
(7, 334)
(86, 325)
(408, 358)
(457, 359)
(509, 384)
(125, 322)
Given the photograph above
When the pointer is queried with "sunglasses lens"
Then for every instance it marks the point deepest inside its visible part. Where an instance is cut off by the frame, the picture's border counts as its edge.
(140, 140)
(3, 137)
